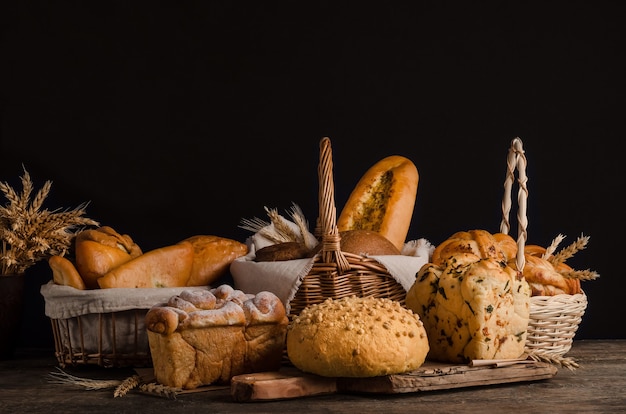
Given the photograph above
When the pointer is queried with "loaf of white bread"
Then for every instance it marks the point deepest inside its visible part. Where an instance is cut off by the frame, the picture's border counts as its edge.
(207, 337)
(473, 305)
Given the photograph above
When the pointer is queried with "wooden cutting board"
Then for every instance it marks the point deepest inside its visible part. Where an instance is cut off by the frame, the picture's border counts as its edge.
(290, 382)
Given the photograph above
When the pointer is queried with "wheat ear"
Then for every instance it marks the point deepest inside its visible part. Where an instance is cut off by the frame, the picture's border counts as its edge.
(553, 246)
(581, 274)
(303, 225)
(280, 225)
(570, 250)
(566, 362)
(126, 385)
(160, 390)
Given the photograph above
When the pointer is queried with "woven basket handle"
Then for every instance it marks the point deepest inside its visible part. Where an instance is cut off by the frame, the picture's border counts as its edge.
(516, 160)
(327, 220)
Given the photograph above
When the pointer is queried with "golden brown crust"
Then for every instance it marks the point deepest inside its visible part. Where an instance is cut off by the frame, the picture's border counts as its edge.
(212, 257)
(168, 266)
(542, 279)
(483, 244)
(100, 250)
(383, 200)
(64, 273)
(94, 260)
(357, 337)
(108, 236)
(366, 242)
(198, 340)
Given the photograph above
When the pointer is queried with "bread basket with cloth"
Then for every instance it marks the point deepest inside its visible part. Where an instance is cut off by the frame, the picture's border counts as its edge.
(331, 272)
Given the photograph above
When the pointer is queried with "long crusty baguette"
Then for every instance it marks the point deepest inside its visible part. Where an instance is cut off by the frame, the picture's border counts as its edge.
(383, 200)
(168, 266)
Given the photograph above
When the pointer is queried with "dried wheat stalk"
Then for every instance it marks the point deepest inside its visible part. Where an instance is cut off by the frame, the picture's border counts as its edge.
(30, 233)
(297, 216)
(281, 226)
(64, 378)
(565, 362)
(278, 229)
(569, 251)
(566, 253)
(126, 385)
(160, 390)
(581, 274)
(552, 247)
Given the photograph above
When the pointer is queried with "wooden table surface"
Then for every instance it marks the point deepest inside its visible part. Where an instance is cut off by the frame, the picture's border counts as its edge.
(597, 386)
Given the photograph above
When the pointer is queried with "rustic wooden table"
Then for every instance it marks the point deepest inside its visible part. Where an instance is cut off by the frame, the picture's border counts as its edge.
(597, 386)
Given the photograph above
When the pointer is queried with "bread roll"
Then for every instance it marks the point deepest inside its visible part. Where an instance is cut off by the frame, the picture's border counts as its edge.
(383, 200)
(367, 243)
(168, 266)
(357, 337)
(282, 251)
(212, 258)
(193, 346)
(64, 272)
(545, 280)
(100, 250)
(498, 246)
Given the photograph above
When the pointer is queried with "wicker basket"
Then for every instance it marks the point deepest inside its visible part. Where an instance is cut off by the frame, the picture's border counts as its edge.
(554, 320)
(336, 274)
(102, 327)
(75, 345)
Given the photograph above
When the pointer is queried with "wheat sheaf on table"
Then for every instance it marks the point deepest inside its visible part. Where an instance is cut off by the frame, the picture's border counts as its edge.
(554, 320)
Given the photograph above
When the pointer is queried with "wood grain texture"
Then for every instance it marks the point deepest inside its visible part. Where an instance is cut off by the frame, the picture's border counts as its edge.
(292, 383)
(597, 386)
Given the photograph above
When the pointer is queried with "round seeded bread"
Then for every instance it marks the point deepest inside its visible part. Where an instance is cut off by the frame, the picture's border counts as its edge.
(357, 337)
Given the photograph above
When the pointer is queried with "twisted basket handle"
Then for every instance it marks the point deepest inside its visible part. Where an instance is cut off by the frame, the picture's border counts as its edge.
(516, 159)
(327, 221)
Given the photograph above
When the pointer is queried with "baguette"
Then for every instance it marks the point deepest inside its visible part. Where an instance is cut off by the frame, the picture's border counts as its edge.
(168, 266)
(383, 200)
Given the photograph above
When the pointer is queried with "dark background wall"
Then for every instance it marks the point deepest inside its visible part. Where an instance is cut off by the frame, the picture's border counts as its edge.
(182, 119)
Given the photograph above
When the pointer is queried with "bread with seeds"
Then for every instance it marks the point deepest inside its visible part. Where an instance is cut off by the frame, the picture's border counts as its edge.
(357, 337)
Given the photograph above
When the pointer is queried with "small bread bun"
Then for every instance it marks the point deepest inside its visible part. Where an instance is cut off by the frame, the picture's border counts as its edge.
(168, 266)
(544, 278)
(212, 257)
(101, 250)
(366, 243)
(357, 337)
(282, 251)
(64, 273)
(383, 200)
(498, 246)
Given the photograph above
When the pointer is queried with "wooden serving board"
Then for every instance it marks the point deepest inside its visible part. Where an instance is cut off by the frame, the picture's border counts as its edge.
(290, 382)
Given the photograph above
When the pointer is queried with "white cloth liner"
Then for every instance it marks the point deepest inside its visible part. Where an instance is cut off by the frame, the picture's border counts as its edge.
(62, 302)
(284, 278)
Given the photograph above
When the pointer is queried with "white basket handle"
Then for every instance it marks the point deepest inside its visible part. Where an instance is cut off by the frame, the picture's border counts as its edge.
(516, 160)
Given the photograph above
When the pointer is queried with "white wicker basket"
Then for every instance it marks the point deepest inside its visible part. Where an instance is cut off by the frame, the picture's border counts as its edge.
(553, 323)
(554, 320)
